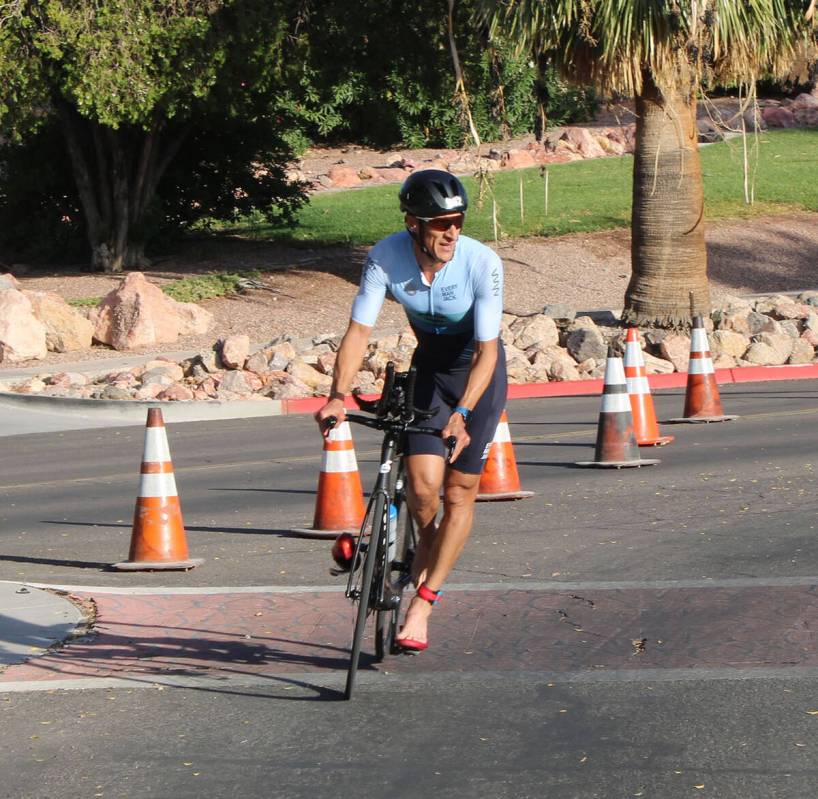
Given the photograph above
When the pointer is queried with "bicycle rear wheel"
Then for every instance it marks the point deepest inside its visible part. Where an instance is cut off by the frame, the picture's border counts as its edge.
(368, 588)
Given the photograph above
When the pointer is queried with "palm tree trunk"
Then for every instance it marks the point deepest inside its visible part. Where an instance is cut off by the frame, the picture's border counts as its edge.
(668, 255)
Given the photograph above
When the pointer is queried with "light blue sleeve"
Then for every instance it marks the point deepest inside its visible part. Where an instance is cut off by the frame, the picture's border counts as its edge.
(488, 299)
(371, 294)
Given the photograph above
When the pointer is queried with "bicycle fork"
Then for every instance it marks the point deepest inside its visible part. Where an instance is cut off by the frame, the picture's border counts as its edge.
(381, 596)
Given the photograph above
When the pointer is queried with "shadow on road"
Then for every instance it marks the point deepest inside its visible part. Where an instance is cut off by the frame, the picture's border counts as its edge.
(188, 528)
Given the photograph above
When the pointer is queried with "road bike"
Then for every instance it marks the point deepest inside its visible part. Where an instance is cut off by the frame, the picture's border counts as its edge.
(380, 559)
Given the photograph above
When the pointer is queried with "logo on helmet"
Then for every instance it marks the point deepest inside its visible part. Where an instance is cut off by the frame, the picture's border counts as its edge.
(452, 202)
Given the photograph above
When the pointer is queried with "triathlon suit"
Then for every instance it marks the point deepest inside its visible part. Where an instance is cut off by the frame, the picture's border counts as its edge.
(463, 303)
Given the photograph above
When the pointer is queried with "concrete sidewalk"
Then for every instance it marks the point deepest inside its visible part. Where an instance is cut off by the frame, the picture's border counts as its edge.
(32, 620)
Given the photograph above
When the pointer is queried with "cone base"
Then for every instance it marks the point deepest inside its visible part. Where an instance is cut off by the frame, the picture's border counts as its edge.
(162, 565)
(700, 419)
(661, 441)
(311, 532)
(618, 464)
(504, 495)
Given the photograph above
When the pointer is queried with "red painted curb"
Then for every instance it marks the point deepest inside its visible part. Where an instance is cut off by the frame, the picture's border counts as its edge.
(578, 388)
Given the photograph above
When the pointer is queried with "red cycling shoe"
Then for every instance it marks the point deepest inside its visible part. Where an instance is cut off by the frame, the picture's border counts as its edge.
(409, 645)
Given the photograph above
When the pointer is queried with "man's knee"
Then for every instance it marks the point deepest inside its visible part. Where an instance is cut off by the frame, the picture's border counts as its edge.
(425, 489)
(460, 491)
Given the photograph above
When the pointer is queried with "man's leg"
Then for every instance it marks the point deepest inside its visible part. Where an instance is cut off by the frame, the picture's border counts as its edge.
(424, 478)
(453, 531)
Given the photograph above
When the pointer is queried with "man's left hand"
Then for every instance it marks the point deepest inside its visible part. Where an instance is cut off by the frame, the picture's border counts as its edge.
(456, 426)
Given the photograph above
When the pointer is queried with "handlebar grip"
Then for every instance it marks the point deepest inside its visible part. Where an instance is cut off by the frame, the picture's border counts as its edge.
(330, 422)
(388, 382)
(409, 396)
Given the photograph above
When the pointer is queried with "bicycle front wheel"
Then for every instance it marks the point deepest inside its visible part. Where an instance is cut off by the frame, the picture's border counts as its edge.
(368, 587)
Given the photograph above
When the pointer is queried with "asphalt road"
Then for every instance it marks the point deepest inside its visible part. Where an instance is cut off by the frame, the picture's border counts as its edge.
(710, 555)
(728, 500)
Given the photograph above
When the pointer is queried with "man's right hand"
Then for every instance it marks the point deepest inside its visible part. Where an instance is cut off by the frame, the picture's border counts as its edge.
(334, 407)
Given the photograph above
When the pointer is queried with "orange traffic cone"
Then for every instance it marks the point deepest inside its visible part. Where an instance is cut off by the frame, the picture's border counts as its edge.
(500, 479)
(158, 538)
(616, 445)
(645, 426)
(702, 400)
(339, 506)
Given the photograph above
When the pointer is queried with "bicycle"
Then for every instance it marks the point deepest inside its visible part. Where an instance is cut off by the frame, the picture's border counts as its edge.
(380, 568)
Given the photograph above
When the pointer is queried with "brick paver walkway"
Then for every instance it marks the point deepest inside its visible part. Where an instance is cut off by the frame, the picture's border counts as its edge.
(471, 631)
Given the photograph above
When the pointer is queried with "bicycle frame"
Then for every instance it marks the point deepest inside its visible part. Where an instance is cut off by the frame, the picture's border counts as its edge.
(369, 581)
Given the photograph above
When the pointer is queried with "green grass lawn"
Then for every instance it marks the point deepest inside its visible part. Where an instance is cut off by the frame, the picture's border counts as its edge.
(583, 195)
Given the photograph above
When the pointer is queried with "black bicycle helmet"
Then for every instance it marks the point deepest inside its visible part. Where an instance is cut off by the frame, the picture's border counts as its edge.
(432, 192)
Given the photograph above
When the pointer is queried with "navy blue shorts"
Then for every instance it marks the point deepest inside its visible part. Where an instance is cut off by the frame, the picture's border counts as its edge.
(442, 388)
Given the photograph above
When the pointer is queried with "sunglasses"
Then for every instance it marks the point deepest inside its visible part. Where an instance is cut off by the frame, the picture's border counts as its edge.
(442, 223)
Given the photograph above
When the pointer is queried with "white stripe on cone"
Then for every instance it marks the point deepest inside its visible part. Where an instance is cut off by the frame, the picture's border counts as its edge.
(342, 460)
(616, 403)
(700, 366)
(638, 385)
(156, 446)
(614, 372)
(502, 435)
(342, 432)
(161, 484)
(633, 354)
(699, 342)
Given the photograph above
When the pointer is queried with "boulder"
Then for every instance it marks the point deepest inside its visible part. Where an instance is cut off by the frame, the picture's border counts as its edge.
(676, 348)
(309, 376)
(234, 351)
(257, 362)
(22, 335)
(138, 314)
(563, 369)
(193, 319)
(778, 117)
(233, 381)
(559, 313)
(731, 343)
(586, 341)
(758, 323)
(8, 281)
(770, 349)
(802, 352)
(517, 159)
(344, 177)
(531, 330)
(735, 319)
(65, 328)
(657, 366)
(583, 141)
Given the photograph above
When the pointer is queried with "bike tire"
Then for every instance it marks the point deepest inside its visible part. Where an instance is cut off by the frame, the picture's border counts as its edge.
(365, 599)
(407, 544)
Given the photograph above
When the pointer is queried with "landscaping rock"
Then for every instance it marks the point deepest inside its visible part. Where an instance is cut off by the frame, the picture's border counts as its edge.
(731, 343)
(138, 314)
(22, 335)
(676, 348)
(537, 329)
(586, 342)
(65, 328)
(234, 351)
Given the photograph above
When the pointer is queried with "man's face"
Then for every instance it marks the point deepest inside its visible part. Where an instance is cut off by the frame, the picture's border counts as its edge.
(440, 234)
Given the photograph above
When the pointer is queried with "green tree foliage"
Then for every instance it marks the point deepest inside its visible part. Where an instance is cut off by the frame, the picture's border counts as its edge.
(142, 116)
(391, 80)
(662, 54)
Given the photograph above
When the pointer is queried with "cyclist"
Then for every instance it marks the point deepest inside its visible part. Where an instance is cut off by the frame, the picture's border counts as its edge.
(451, 289)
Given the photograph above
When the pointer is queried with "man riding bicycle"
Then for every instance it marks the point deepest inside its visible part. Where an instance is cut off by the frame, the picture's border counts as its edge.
(451, 288)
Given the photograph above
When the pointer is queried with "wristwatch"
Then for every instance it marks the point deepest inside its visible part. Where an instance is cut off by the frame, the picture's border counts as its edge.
(463, 411)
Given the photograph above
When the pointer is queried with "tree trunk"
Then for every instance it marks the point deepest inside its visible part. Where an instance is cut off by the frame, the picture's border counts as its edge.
(668, 255)
(541, 93)
(117, 173)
